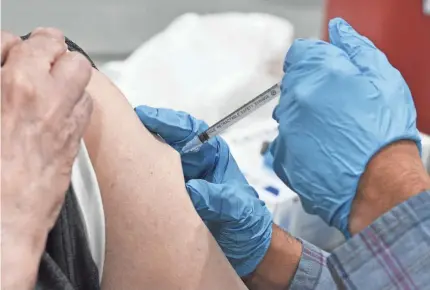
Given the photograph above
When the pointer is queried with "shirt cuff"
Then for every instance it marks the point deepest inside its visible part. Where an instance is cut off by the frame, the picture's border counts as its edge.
(390, 253)
(312, 272)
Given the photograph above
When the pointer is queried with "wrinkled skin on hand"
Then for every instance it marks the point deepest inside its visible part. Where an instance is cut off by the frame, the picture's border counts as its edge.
(44, 113)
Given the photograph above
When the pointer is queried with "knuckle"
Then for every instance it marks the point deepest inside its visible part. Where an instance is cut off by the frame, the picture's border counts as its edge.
(37, 30)
(19, 82)
(21, 51)
(80, 62)
(75, 66)
(55, 32)
(57, 45)
(7, 37)
(50, 32)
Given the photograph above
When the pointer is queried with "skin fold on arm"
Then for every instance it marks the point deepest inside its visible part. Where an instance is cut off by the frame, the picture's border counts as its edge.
(154, 237)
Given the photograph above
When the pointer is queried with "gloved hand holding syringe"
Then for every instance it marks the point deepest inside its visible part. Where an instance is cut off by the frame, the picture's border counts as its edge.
(233, 118)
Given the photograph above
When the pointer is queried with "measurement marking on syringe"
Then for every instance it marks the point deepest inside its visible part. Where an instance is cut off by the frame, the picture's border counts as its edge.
(233, 118)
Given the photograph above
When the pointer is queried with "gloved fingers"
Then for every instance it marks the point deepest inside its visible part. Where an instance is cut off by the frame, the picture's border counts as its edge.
(175, 127)
(220, 202)
(279, 154)
(361, 51)
(241, 224)
(305, 54)
(310, 64)
(212, 162)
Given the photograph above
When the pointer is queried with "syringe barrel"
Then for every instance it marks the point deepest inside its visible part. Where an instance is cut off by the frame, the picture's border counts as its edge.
(242, 112)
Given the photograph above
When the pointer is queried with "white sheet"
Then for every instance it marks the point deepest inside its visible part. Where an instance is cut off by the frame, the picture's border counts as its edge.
(88, 195)
(207, 65)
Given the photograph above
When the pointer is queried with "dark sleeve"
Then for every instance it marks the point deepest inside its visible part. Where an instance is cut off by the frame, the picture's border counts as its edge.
(67, 262)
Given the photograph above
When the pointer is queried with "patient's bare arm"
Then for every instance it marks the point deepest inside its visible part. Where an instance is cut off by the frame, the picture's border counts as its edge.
(155, 239)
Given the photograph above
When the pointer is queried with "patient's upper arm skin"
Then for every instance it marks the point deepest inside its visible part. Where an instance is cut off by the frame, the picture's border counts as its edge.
(154, 238)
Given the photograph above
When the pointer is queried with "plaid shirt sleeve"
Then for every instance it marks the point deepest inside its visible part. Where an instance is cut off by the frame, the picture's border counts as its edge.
(392, 253)
(312, 272)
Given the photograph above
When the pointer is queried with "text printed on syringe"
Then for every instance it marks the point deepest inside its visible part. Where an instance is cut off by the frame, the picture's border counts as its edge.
(241, 112)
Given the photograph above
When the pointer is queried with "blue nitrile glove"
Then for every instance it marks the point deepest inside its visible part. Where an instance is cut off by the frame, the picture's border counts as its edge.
(340, 104)
(239, 221)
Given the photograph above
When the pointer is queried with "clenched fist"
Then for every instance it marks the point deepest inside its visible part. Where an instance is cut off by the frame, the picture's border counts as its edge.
(44, 112)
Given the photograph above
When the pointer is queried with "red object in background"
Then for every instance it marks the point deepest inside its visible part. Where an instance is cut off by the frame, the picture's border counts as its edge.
(401, 29)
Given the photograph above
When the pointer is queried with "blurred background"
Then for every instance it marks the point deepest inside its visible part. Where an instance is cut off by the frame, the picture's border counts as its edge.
(112, 29)
(209, 57)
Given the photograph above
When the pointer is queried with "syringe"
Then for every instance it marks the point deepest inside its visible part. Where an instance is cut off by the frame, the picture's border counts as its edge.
(232, 118)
